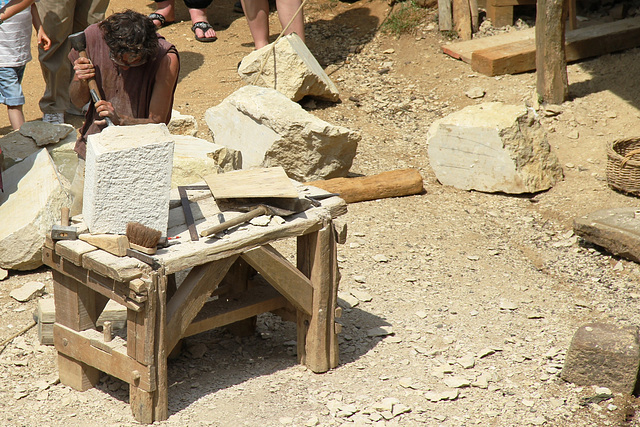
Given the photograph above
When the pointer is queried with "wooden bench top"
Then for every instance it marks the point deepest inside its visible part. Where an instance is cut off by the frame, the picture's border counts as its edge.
(187, 253)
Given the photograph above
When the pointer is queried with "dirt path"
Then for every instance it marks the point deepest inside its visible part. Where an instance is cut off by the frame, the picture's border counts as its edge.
(453, 274)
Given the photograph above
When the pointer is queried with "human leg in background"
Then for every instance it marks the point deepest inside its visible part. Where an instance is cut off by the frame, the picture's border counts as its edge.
(203, 31)
(60, 18)
(165, 13)
(11, 94)
(286, 11)
(257, 13)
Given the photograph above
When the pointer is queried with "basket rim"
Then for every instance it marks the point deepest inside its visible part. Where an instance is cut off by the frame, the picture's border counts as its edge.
(616, 156)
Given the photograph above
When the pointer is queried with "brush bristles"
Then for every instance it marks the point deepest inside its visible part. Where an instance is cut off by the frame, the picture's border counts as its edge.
(142, 235)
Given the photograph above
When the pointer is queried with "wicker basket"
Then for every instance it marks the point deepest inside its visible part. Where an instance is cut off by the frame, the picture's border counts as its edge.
(623, 165)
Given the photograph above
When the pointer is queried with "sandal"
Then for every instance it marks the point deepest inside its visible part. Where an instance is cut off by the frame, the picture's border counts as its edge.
(159, 17)
(204, 26)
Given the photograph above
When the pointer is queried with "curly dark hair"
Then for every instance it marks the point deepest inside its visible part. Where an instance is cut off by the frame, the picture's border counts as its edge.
(130, 32)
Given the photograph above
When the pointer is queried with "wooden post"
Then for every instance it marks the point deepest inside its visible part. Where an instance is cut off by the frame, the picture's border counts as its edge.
(317, 334)
(77, 309)
(161, 396)
(444, 15)
(551, 64)
(462, 18)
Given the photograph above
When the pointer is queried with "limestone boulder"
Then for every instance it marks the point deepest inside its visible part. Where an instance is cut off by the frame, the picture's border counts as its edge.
(194, 158)
(290, 68)
(492, 147)
(182, 124)
(271, 130)
(58, 139)
(29, 206)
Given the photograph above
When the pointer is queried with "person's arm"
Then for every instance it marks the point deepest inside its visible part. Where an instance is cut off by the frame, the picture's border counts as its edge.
(159, 107)
(79, 87)
(14, 7)
(43, 40)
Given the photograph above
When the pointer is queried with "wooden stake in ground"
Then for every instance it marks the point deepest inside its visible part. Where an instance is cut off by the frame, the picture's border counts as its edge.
(551, 64)
(462, 18)
(444, 15)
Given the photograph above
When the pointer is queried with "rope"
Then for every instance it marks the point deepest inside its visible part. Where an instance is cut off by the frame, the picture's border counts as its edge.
(4, 343)
(273, 46)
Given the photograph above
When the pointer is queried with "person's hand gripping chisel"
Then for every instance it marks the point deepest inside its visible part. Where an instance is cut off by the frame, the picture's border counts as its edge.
(86, 72)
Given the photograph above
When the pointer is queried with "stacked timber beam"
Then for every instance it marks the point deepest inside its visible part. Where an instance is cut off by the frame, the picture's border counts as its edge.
(515, 52)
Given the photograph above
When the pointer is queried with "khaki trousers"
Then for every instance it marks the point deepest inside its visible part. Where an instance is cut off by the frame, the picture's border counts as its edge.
(77, 189)
(61, 18)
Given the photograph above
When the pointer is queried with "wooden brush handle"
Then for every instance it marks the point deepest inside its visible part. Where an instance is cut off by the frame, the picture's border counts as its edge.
(240, 219)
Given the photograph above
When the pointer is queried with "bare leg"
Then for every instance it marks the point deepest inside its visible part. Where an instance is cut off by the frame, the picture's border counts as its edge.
(200, 15)
(257, 13)
(286, 10)
(166, 9)
(16, 118)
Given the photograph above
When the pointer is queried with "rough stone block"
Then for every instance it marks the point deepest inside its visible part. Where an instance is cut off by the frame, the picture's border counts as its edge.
(194, 158)
(295, 72)
(604, 355)
(29, 206)
(182, 124)
(492, 147)
(617, 230)
(128, 178)
(271, 130)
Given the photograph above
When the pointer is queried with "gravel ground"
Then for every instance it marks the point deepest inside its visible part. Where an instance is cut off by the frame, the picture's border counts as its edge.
(459, 306)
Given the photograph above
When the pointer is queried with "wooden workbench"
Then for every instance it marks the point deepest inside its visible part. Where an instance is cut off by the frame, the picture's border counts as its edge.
(215, 292)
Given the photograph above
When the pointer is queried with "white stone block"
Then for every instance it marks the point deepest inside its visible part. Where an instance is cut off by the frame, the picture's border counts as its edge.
(128, 178)
(290, 68)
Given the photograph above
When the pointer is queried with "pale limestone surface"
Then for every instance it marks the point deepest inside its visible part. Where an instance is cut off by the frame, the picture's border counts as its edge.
(295, 72)
(492, 147)
(59, 140)
(29, 206)
(182, 124)
(194, 158)
(271, 130)
(128, 178)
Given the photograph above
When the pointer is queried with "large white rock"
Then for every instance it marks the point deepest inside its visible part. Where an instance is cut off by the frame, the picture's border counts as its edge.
(296, 72)
(492, 147)
(29, 206)
(271, 130)
(194, 158)
(59, 140)
(128, 178)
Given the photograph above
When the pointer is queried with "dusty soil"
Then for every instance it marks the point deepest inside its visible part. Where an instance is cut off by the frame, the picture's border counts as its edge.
(451, 273)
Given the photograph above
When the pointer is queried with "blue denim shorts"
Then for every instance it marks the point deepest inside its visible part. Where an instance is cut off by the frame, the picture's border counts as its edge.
(10, 86)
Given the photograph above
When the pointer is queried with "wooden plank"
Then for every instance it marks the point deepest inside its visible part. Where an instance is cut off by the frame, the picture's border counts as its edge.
(225, 311)
(282, 275)
(258, 182)
(73, 250)
(464, 49)
(191, 296)
(520, 56)
(122, 269)
(109, 357)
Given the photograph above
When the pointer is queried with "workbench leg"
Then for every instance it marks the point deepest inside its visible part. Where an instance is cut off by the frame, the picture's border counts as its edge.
(148, 407)
(77, 307)
(317, 334)
(237, 279)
